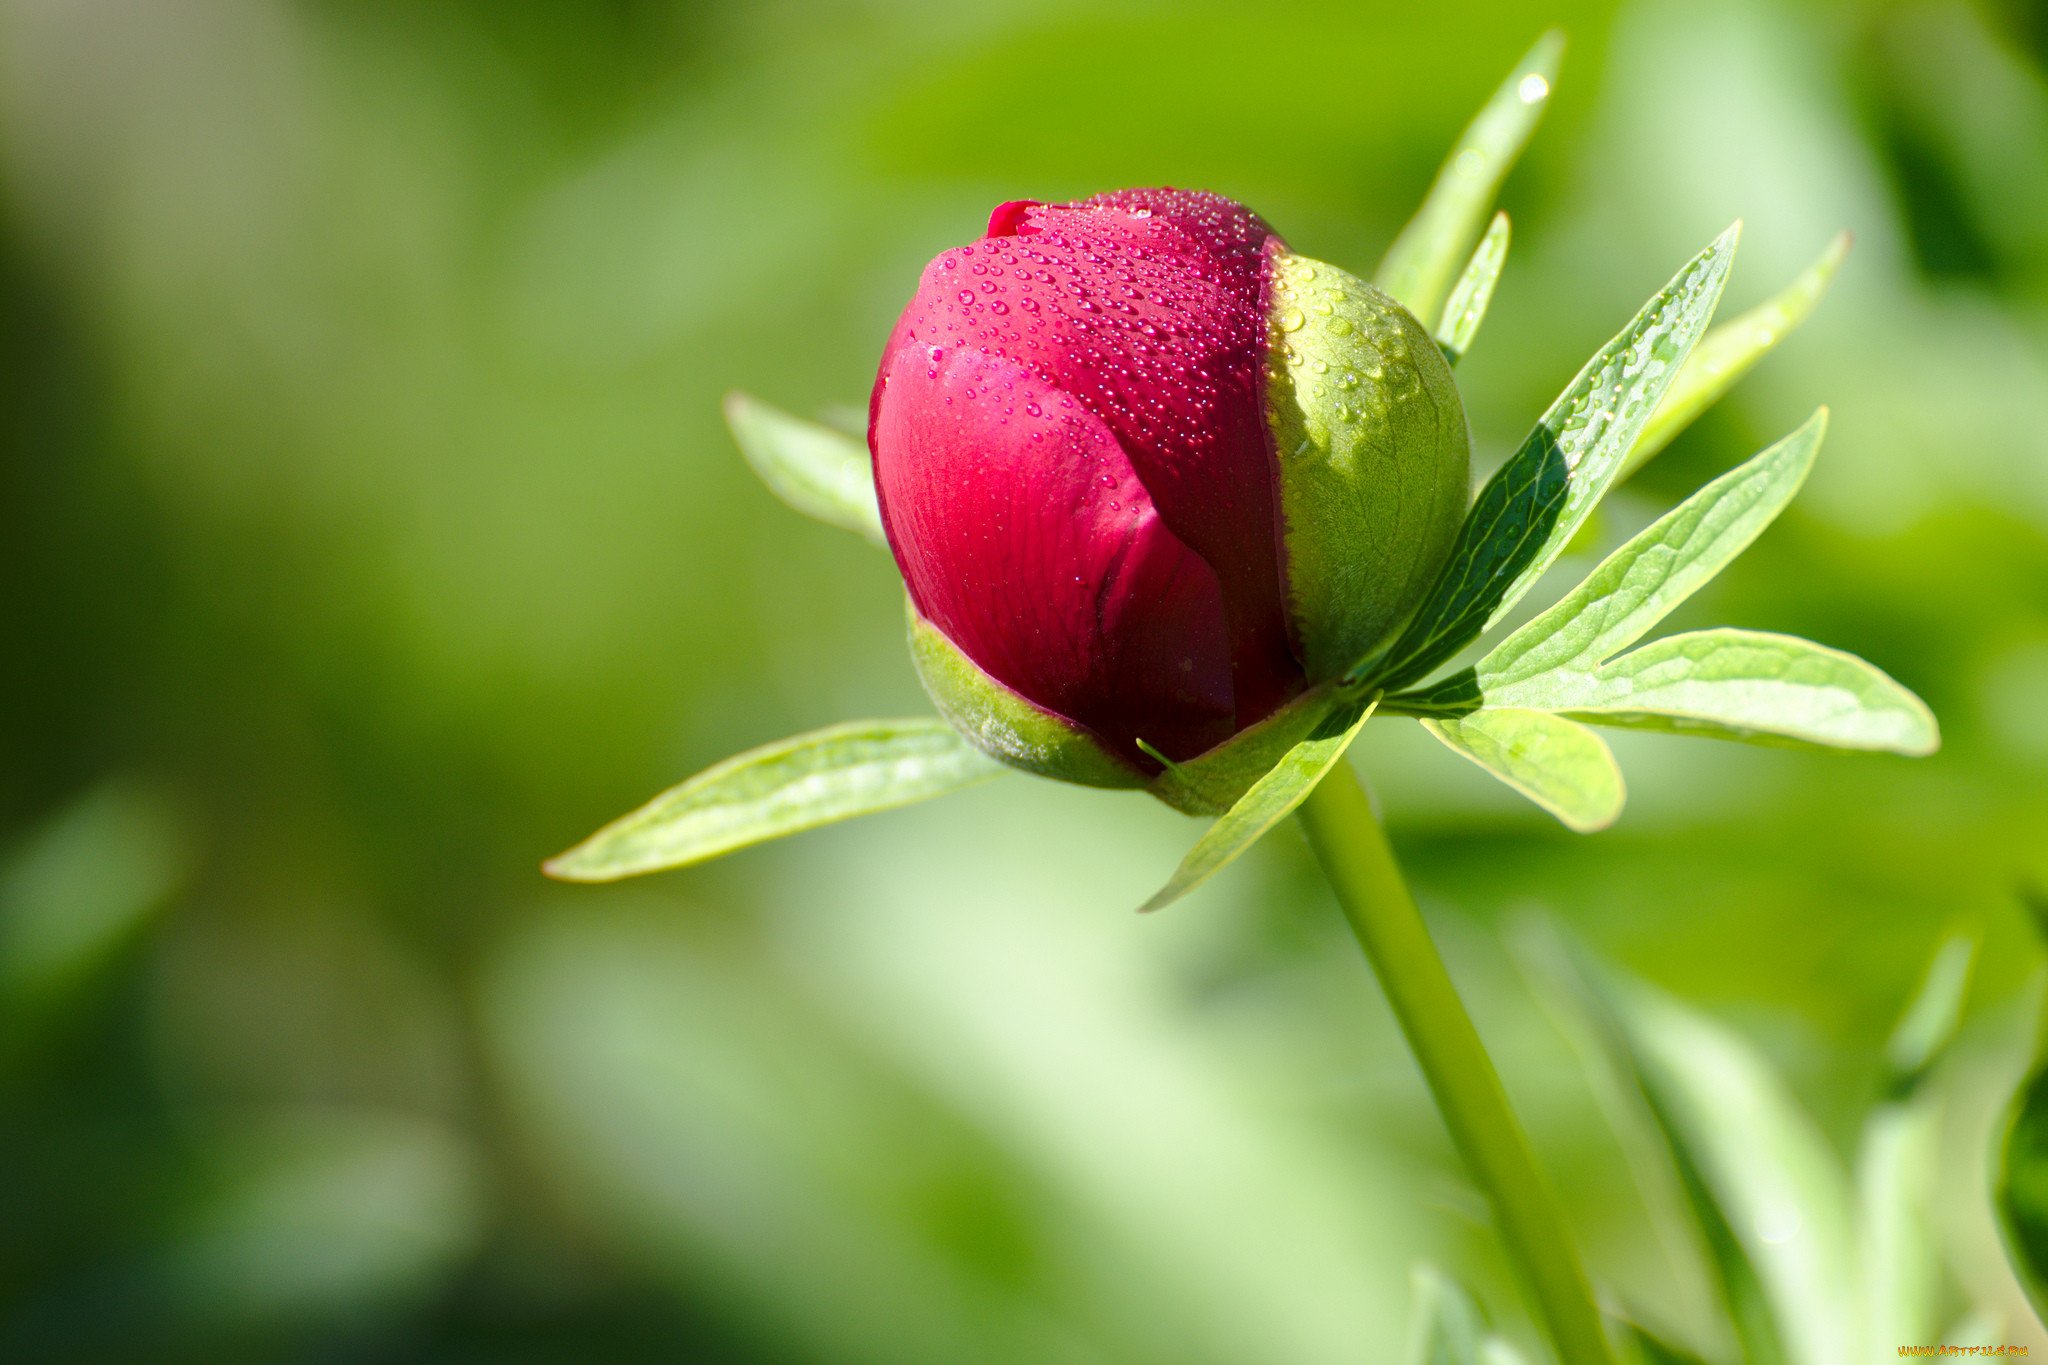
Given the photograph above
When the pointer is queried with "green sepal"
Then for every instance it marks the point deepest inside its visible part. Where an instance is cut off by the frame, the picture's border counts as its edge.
(782, 788)
(1375, 464)
(1005, 726)
(1213, 782)
(1267, 801)
(819, 471)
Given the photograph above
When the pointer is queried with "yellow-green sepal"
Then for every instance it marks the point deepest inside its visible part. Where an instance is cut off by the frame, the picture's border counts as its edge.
(1213, 782)
(1004, 725)
(1374, 458)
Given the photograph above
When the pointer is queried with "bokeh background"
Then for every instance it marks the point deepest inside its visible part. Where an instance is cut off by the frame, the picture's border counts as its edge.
(368, 532)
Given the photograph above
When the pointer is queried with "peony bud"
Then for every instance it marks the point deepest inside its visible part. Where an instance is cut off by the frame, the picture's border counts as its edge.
(1150, 476)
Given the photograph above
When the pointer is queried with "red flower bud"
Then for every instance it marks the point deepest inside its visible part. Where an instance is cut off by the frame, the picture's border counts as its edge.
(1106, 460)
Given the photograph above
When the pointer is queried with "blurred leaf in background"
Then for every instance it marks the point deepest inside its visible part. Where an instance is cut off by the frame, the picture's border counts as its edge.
(370, 531)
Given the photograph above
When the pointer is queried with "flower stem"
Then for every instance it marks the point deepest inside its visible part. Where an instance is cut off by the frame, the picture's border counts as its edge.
(1355, 856)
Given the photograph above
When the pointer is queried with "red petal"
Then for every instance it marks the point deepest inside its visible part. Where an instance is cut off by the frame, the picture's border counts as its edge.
(1025, 535)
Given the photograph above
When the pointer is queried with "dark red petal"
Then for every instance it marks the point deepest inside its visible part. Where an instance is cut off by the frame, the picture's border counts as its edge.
(1147, 306)
(1011, 219)
(1026, 537)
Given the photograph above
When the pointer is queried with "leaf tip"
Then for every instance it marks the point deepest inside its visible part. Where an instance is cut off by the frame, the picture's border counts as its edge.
(1546, 53)
(569, 866)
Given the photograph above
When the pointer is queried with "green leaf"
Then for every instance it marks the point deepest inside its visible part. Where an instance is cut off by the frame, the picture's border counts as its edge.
(1747, 685)
(1447, 1328)
(1899, 1161)
(1467, 306)
(1269, 801)
(1897, 1167)
(2021, 1189)
(820, 472)
(1652, 1349)
(1929, 1024)
(1423, 260)
(1769, 1197)
(1559, 764)
(1730, 351)
(1643, 581)
(1530, 509)
(782, 788)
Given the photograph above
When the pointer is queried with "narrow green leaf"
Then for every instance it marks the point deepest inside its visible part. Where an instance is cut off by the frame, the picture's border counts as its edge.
(1559, 764)
(1770, 1198)
(1423, 260)
(1640, 583)
(1474, 291)
(1730, 351)
(1896, 1170)
(1530, 509)
(1269, 801)
(782, 788)
(1445, 1326)
(1899, 1160)
(1747, 685)
(1929, 1024)
(820, 472)
(1652, 1349)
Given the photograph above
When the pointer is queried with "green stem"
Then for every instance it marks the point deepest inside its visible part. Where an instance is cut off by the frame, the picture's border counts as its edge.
(1355, 856)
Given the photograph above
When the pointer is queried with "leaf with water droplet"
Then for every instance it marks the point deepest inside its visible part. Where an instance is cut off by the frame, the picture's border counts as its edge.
(1730, 351)
(1530, 509)
(1423, 261)
(1466, 308)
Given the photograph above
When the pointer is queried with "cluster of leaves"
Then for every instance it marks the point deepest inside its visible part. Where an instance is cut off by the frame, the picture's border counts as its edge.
(1795, 1255)
(1523, 710)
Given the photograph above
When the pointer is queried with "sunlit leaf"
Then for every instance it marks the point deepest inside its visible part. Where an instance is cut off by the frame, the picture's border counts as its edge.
(1643, 581)
(1746, 685)
(1730, 351)
(1530, 509)
(782, 788)
(1269, 801)
(821, 472)
(1424, 259)
(1557, 763)
(1466, 308)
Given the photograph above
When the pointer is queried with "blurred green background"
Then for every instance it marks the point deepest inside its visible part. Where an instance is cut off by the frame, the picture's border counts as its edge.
(369, 532)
